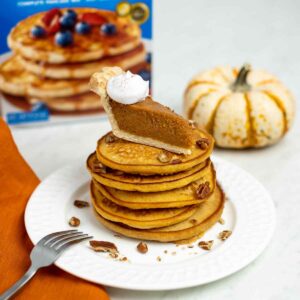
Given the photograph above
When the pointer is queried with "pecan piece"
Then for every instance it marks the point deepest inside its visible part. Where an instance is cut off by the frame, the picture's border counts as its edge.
(221, 221)
(206, 245)
(176, 161)
(203, 190)
(81, 203)
(193, 221)
(224, 235)
(142, 247)
(203, 143)
(97, 167)
(74, 222)
(103, 246)
(164, 157)
(110, 138)
(193, 124)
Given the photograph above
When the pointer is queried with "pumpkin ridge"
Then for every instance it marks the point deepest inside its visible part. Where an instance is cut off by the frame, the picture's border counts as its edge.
(223, 75)
(211, 123)
(250, 132)
(278, 103)
(266, 81)
(196, 82)
(196, 102)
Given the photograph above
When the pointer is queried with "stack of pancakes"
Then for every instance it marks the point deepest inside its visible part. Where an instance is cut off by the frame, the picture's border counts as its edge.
(144, 192)
(41, 70)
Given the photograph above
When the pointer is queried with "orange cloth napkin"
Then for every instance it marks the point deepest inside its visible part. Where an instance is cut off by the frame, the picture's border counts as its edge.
(17, 183)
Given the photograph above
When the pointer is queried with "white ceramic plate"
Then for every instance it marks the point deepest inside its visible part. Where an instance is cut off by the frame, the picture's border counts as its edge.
(249, 213)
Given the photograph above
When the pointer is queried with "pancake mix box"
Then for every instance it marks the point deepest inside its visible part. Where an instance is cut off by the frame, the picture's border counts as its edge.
(50, 48)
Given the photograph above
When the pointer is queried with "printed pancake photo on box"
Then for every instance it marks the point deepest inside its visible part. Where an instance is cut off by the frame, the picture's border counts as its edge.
(51, 52)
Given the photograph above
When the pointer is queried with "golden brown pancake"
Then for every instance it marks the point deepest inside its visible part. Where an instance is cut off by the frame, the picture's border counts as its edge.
(142, 218)
(15, 80)
(136, 158)
(84, 70)
(179, 197)
(87, 47)
(146, 184)
(206, 215)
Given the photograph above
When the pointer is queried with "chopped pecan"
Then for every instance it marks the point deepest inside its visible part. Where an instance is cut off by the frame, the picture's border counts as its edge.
(176, 161)
(158, 258)
(114, 255)
(193, 124)
(193, 221)
(224, 235)
(103, 246)
(110, 138)
(142, 247)
(203, 143)
(74, 222)
(206, 245)
(81, 203)
(203, 190)
(164, 157)
(97, 167)
(221, 221)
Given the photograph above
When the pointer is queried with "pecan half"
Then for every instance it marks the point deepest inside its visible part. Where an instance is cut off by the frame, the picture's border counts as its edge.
(206, 245)
(103, 246)
(203, 143)
(74, 222)
(81, 203)
(142, 247)
(224, 235)
(203, 190)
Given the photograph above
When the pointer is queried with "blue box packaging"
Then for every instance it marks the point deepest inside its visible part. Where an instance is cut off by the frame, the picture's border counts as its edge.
(50, 48)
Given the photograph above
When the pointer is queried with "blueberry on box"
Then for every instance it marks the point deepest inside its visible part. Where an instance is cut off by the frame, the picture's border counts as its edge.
(71, 13)
(67, 21)
(64, 38)
(82, 28)
(38, 32)
(108, 29)
(145, 74)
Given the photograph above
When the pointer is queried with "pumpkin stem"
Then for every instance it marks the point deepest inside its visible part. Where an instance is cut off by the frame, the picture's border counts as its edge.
(240, 84)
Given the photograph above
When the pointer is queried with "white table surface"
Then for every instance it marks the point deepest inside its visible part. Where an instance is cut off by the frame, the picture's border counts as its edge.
(190, 38)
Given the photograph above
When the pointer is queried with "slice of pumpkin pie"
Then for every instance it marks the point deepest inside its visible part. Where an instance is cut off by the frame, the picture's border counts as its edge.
(135, 117)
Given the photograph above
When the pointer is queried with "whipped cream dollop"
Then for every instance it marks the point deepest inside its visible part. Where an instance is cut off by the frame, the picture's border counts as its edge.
(127, 88)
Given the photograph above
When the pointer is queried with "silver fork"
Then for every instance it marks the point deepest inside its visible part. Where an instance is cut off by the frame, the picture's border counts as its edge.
(45, 253)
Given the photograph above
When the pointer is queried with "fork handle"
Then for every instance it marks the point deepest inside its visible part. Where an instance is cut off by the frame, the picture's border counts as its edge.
(19, 284)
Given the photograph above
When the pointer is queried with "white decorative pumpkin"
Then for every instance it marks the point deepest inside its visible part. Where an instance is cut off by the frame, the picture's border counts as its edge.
(240, 108)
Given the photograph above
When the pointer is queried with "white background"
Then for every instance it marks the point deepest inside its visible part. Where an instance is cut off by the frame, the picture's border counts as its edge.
(191, 36)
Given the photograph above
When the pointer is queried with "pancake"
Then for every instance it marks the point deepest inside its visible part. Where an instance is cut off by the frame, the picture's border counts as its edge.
(173, 198)
(142, 218)
(206, 215)
(82, 102)
(156, 186)
(136, 158)
(88, 47)
(15, 80)
(85, 70)
(150, 183)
